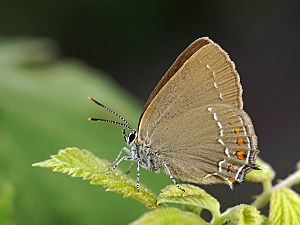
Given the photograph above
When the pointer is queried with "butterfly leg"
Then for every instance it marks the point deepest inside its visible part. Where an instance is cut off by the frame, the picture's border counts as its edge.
(120, 153)
(126, 158)
(138, 176)
(168, 171)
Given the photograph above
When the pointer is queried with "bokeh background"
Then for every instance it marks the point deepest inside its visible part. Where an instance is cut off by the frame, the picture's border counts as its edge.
(53, 54)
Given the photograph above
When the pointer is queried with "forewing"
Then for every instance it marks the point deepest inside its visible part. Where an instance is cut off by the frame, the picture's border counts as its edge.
(181, 59)
(208, 76)
(207, 144)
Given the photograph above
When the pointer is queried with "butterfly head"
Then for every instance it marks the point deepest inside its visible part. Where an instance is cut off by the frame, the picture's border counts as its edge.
(130, 138)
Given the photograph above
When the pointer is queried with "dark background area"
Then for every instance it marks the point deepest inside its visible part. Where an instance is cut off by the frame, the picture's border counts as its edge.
(136, 41)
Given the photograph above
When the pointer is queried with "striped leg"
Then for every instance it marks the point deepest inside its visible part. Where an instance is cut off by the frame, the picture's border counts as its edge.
(138, 176)
(168, 171)
(120, 153)
(126, 158)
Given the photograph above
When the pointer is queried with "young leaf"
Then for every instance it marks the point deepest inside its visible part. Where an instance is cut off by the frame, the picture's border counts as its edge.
(266, 173)
(6, 204)
(169, 216)
(242, 215)
(284, 207)
(265, 220)
(191, 208)
(193, 195)
(82, 163)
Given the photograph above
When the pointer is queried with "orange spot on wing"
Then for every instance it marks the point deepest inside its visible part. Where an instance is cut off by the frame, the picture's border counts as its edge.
(240, 155)
(240, 141)
(231, 180)
(236, 130)
(230, 168)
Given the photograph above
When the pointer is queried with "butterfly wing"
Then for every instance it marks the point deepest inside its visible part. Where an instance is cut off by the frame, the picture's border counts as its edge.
(182, 58)
(203, 75)
(212, 139)
(206, 77)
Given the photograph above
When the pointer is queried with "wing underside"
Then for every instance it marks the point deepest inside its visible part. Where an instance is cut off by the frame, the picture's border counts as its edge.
(208, 140)
(195, 121)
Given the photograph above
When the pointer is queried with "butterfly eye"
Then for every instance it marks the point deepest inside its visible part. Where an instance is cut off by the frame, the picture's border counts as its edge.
(131, 137)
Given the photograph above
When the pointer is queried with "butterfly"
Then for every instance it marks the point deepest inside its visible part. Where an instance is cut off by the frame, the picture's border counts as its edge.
(193, 125)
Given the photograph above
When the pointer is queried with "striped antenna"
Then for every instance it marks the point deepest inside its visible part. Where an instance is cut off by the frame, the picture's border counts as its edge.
(111, 111)
(109, 121)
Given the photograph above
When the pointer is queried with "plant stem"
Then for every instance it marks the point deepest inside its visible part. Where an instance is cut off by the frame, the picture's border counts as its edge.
(225, 216)
(263, 199)
(291, 180)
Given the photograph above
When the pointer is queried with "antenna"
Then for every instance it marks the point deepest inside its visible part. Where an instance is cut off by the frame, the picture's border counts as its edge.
(125, 124)
(109, 121)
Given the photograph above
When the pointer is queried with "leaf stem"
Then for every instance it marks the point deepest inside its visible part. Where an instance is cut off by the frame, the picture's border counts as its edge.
(225, 216)
(288, 182)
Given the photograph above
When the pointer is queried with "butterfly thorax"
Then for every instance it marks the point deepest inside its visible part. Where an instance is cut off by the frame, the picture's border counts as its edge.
(148, 159)
(142, 153)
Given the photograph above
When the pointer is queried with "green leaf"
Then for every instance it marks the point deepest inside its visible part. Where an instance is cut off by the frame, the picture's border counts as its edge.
(284, 207)
(169, 216)
(82, 163)
(44, 106)
(265, 220)
(193, 195)
(191, 208)
(6, 204)
(266, 173)
(242, 215)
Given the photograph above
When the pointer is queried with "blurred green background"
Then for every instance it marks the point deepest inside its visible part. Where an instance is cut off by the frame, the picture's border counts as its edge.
(44, 108)
(54, 54)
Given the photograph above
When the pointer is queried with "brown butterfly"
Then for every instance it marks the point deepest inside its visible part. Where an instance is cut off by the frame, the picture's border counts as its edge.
(193, 125)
